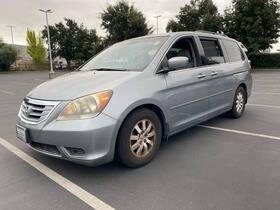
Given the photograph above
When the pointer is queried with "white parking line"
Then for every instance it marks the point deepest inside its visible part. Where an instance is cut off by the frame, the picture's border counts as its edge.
(266, 80)
(77, 191)
(24, 83)
(40, 80)
(7, 92)
(264, 105)
(241, 132)
(268, 86)
(265, 93)
(266, 75)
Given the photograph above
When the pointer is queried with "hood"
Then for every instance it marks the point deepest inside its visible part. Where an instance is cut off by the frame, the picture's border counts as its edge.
(77, 84)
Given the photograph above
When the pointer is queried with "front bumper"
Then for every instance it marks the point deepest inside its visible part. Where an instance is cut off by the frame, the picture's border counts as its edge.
(88, 141)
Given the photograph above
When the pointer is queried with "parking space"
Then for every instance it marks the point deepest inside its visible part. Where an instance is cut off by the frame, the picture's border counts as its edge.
(23, 187)
(216, 167)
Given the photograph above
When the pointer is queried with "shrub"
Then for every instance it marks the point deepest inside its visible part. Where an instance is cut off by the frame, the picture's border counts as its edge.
(7, 56)
(265, 60)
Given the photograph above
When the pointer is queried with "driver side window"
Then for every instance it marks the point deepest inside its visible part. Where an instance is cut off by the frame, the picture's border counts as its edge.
(181, 48)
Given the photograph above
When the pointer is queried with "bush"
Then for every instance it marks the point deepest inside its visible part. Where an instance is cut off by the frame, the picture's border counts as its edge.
(7, 56)
(265, 60)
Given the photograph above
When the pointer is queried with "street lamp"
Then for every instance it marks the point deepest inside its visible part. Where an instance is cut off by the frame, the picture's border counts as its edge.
(157, 17)
(13, 43)
(51, 74)
(12, 33)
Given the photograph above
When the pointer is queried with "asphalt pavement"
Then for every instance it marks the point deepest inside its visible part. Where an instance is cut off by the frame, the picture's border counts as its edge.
(230, 164)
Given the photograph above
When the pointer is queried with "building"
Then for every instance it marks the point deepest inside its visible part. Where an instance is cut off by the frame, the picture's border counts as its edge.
(22, 54)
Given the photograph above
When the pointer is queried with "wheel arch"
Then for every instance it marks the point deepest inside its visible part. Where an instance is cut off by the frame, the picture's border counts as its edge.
(156, 109)
(159, 112)
(244, 86)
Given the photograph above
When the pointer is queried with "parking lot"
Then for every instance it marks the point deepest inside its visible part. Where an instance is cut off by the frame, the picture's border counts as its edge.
(222, 164)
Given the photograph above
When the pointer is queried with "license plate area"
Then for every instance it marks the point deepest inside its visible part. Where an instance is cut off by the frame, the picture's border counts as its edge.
(22, 133)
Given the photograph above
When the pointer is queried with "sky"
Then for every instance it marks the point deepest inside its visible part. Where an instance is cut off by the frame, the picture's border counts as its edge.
(25, 14)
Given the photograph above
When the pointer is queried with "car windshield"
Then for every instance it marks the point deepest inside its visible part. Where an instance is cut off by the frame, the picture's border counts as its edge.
(131, 55)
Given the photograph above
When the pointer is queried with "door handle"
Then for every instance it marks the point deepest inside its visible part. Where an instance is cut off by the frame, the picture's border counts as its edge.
(201, 76)
(213, 73)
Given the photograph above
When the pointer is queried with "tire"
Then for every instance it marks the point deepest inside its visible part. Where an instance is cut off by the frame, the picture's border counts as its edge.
(239, 103)
(137, 146)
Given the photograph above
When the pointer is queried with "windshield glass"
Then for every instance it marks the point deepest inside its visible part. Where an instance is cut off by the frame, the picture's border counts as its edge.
(131, 55)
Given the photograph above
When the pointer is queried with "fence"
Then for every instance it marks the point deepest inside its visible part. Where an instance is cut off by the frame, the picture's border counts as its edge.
(32, 66)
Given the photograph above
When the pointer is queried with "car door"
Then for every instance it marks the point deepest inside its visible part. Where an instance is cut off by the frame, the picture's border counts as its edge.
(220, 78)
(187, 90)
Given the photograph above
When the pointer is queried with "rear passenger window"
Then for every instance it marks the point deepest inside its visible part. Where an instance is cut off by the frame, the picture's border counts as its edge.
(233, 50)
(212, 51)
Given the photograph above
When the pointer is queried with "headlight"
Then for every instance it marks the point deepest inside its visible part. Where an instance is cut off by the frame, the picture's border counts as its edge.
(86, 107)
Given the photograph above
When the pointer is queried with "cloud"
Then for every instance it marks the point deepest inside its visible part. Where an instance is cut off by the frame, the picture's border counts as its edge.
(25, 14)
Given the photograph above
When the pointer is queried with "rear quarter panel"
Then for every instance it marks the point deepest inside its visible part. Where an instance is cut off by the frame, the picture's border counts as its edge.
(240, 70)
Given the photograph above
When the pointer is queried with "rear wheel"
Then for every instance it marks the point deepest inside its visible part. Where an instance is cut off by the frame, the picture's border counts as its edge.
(139, 138)
(239, 103)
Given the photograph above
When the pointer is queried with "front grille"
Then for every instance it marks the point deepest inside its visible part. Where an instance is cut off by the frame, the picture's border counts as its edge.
(35, 111)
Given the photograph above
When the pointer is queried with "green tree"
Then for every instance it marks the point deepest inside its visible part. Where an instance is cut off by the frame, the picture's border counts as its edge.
(211, 20)
(72, 41)
(197, 15)
(255, 23)
(7, 56)
(86, 44)
(123, 21)
(35, 46)
(228, 24)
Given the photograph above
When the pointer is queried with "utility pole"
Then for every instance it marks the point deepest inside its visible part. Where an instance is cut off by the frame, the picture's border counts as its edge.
(157, 17)
(12, 34)
(51, 74)
(13, 43)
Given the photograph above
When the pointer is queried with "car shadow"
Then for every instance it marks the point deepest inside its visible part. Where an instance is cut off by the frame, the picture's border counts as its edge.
(180, 140)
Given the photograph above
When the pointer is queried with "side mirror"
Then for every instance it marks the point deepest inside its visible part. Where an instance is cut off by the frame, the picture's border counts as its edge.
(178, 63)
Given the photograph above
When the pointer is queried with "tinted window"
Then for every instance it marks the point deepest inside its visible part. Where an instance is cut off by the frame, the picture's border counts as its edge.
(212, 51)
(233, 50)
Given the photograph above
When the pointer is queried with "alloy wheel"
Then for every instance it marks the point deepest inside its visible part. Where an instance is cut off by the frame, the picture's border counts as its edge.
(142, 138)
(239, 103)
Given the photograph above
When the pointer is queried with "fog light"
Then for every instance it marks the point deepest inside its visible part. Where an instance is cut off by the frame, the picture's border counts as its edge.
(75, 151)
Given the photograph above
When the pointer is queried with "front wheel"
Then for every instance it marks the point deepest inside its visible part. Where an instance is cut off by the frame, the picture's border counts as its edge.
(139, 138)
(239, 103)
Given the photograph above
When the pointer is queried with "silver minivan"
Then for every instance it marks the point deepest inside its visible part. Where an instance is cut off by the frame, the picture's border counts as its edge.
(133, 95)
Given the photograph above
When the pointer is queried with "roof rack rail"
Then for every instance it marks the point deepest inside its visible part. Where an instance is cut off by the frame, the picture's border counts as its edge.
(211, 32)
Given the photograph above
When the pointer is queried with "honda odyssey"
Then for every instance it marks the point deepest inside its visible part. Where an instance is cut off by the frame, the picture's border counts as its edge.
(133, 95)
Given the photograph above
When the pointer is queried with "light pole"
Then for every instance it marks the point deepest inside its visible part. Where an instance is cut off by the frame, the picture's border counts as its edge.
(12, 34)
(157, 17)
(51, 74)
(13, 43)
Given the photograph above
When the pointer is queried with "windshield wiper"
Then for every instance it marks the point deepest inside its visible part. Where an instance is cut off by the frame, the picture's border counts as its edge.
(108, 69)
